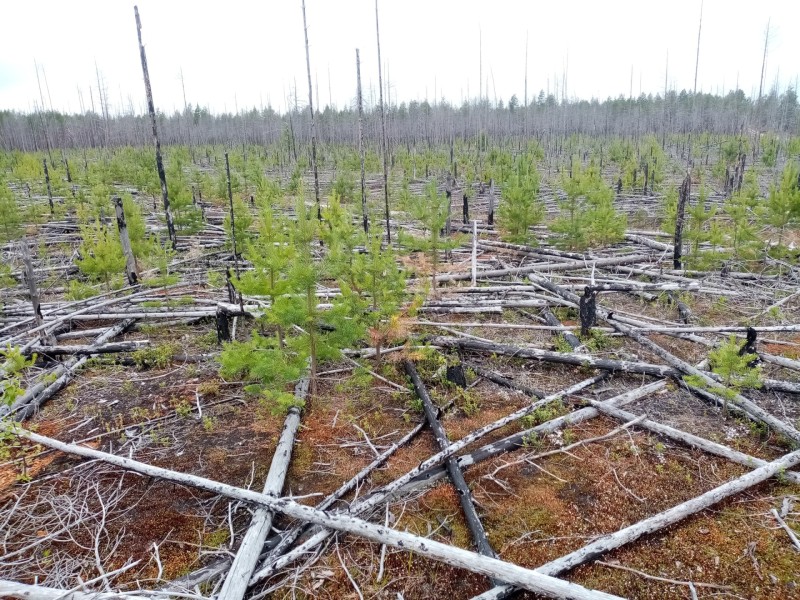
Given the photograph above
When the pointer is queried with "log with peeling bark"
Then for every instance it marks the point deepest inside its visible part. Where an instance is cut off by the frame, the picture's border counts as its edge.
(454, 472)
(570, 337)
(244, 563)
(655, 523)
(82, 349)
(456, 557)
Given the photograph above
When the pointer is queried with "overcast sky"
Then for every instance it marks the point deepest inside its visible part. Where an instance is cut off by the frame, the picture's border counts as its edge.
(244, 54)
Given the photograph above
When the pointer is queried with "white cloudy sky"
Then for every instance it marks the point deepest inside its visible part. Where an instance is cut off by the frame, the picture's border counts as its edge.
(237, 53)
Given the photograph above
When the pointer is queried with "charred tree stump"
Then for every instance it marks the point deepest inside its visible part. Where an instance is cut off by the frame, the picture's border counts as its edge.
(456, 375)
(491, 202)
(159, 161)
(683, 199)
(749, 347)
(587, 309)
(453, 470)
(33, 292)
(683, 310)
(47, 181)
(465, 209)
(131, 272)
(223, 326)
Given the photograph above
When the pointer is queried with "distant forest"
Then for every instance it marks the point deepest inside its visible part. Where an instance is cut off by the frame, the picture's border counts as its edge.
(414, 123)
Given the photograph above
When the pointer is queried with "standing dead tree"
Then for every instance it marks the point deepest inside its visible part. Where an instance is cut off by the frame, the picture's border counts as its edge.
(683, 199)
(152, 110)
(311, 114)
(384, 144)
(360, 102)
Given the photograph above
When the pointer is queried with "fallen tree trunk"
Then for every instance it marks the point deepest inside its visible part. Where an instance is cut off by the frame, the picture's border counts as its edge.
(484, 565)
(603, 262)
(505, 382)
(88, 348)
(553, 321)
(655, 523)
(579, 360)
(456, 475)
(689, 439)
(22, 591)
(244, 563)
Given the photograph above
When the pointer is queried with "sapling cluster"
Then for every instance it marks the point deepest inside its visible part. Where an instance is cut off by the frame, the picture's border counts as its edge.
(520, 208)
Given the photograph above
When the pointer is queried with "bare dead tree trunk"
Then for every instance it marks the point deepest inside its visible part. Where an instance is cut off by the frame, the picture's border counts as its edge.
(233, 222)
(152, 110)
(384, 145)
(131, 272)
(683, 198)
(33, 290)
(360, 103)
(311, 112)
(47, 181)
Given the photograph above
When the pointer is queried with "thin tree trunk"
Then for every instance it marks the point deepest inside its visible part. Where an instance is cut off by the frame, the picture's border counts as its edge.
(360, 102)
(233, 222)
(311, 113)
(683, 199)
(47, 181)
(159, 161)
(384, 144)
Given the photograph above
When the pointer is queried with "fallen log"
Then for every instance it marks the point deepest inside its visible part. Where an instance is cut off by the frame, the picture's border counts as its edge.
(553, 321)
(78, 350)
(689, 439)
(655, 523)
(456, 475)
(244, 563)
(471, 561)
(505, 382)
(548, 267)
(22, 591)
(578, 360)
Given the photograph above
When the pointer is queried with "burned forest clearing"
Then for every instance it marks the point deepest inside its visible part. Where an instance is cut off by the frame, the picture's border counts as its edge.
(543, 349)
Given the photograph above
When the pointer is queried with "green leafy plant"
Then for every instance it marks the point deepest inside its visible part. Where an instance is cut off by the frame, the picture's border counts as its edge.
(520, 208)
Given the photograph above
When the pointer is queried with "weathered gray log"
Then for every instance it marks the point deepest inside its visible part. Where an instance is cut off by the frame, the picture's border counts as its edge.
(23, 591)
(244, 563)
(454, 472)
(131, 270)
(688, 439)
(657, 522)
(579, 360)
(84, 349)
(570, 337)
(603, 262)
(152, 110)
(645, 241)
(484, 565)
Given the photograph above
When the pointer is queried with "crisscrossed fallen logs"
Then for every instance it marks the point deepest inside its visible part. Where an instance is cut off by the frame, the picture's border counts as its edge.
(453, 470)
(517, 440)
(656, 522)
(491, 567)
(244, 563)
(384, 494)
(34, 397)
(209, 572)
